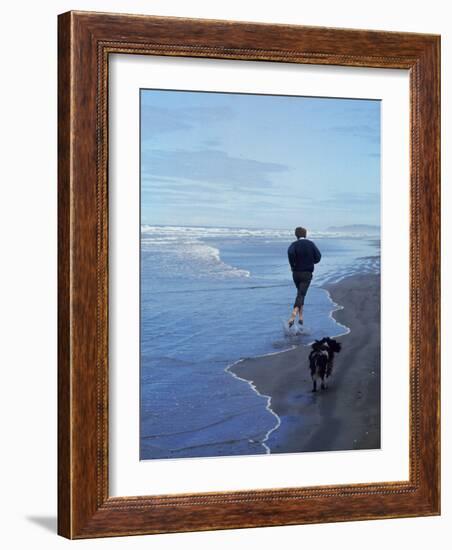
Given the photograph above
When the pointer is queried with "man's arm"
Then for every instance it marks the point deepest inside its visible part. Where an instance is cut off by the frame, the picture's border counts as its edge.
(316, 254)
(291, 256)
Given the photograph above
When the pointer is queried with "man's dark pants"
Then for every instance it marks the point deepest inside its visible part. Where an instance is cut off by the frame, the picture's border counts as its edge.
(302, 280)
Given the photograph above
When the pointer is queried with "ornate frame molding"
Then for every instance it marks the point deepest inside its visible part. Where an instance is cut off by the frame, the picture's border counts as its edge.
(85, 42)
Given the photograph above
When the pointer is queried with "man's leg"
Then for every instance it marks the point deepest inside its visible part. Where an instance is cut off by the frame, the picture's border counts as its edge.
(302, 287)
(300, 315)
(296, 306)
(295, 311)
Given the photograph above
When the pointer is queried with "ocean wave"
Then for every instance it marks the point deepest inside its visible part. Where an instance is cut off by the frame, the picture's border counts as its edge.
(170, 233)
(188, 255)
(177, 232)
(363, 265)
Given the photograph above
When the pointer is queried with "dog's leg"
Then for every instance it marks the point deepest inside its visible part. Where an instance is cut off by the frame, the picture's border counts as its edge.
(314, 385)
(322, 385)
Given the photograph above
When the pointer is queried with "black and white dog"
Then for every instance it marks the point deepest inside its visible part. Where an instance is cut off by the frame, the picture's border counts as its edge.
(321, 360)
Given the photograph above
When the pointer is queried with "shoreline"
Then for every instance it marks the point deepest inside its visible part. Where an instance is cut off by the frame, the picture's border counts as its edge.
(345, 416)
(268, 406)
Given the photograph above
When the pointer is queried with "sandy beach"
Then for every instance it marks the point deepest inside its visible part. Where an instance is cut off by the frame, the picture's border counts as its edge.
(346, 415)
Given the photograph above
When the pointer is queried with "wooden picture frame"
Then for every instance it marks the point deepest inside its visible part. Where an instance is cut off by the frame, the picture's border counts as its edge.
(85, 42)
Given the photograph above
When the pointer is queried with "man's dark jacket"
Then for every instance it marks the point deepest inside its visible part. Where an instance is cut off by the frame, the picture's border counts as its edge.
(303, 254)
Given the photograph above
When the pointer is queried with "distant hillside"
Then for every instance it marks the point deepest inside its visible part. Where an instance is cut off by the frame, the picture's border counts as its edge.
(355, 228)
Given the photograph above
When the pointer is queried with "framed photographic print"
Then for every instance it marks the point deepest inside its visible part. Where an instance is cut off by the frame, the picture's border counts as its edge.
(248, 275)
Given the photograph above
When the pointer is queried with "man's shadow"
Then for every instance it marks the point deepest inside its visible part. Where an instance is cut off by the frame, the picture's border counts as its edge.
(49, 523)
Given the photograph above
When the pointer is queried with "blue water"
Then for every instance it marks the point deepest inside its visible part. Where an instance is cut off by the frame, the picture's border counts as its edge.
(213, 296)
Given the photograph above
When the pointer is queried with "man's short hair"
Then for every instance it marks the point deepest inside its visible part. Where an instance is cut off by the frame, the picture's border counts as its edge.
(300, 232)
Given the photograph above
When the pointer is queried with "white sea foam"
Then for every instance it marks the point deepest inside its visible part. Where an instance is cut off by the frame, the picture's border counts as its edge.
(174, 232)
(185, 253)
(208, 258)
(268, 405)
(336, 307)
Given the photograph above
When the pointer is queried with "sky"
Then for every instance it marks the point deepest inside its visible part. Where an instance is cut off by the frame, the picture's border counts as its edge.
(261, 161)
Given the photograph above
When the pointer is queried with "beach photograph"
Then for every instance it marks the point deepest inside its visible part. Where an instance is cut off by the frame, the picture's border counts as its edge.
(259, 274)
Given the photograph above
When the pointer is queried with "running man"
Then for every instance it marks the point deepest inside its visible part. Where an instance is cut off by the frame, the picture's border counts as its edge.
(303, 254)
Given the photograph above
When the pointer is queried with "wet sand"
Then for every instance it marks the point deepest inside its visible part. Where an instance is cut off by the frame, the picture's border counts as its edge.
(347, 414)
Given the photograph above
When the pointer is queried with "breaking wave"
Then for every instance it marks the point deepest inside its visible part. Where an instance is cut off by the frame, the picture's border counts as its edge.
(184, 253)
(173, 233)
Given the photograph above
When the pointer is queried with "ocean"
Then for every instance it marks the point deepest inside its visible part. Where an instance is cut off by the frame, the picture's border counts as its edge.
(209, 298)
